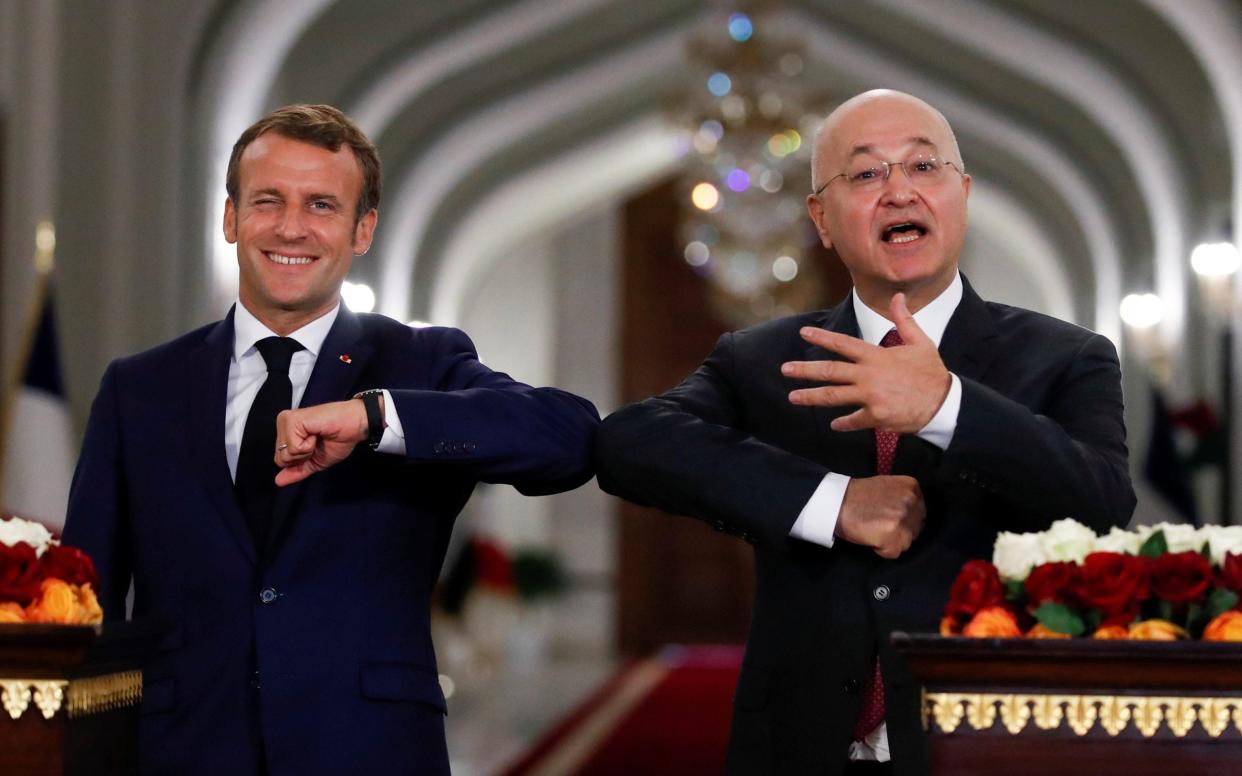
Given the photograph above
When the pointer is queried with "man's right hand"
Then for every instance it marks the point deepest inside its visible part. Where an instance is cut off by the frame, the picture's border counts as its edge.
(885, 513)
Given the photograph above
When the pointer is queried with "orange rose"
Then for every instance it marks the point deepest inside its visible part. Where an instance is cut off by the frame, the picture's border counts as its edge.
(57, 602)
(12, 612)
(64, 603)
(1111, 632)
(992, 622)
(948, 627)
(1041, 631)
(1157, 630)
(1225, 627)
(89, 610)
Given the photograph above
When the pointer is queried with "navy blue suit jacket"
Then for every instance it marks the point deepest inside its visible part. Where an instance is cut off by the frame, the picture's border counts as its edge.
(316, 651)
(1039, 436)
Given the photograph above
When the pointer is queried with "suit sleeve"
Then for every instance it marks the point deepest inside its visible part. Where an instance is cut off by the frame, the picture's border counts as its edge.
(536, 439)
(1069, 462)
(683, 452)
(96, 520)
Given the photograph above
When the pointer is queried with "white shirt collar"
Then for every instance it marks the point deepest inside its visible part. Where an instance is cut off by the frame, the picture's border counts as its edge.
(932, 319)
(248, 330)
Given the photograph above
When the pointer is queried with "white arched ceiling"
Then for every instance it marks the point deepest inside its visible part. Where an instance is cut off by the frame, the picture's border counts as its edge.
(1077, 190)
(244, 59)
(540, 198)
(403, 84)
(462, 148)
(1116, 108)
(1213, 32)
(248, 52)
(1027, 247)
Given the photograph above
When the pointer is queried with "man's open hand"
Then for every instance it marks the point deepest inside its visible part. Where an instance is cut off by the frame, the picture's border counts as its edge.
(311, 439)
(896, 389)
(885, 513)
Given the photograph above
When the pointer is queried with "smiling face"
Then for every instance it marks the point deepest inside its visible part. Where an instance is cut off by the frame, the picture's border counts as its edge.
(295, 228)
(901, 235)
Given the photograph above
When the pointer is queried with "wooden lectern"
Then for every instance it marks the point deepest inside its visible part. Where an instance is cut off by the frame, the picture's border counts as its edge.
(1062, 707)
(70, 697)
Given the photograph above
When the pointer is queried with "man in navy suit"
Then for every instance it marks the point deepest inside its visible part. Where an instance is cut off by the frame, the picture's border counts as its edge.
(296, 620)
(868, 450)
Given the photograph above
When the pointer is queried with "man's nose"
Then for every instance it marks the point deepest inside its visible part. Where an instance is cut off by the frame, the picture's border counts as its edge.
(898, 188)
(291, 225)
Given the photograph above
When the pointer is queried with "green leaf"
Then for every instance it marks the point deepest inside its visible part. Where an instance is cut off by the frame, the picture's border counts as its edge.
(1196, 620)
(1092, 619)
(1060, 618)
(1014, 591)
(1155, 546)
(1166, 610)
(1206, 551)
(1220, 601)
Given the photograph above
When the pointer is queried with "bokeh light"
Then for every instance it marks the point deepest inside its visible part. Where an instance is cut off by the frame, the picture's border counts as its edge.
(719, 84)
(740, 27)
(705, 196)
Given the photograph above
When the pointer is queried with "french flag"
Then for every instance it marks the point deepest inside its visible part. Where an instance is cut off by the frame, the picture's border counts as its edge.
(37, 456)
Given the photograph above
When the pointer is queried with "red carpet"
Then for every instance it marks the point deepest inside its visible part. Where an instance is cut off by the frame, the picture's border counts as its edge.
(665, 715)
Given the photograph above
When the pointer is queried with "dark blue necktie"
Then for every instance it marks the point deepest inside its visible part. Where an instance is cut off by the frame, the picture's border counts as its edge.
(256, 471)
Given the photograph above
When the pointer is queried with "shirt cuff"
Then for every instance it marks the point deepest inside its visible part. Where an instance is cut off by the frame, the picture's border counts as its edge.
(393, 440)
(817, 521)
(939, 430)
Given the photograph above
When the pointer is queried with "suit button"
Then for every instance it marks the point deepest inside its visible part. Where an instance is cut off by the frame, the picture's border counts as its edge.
(438, 447)
(268, 595)
(881, 593)
(851, 685)
(254, 681)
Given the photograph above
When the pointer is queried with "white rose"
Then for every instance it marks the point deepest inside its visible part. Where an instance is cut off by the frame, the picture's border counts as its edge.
(14, 529)
(1223, 539)
(1067, 540)
(1181, 537)
(1118, 540)
(1014, 555)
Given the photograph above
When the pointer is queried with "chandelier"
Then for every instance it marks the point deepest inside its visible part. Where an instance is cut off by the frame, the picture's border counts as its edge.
(747, 138)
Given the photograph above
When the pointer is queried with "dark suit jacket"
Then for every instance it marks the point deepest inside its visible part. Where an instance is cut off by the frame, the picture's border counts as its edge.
(1039, 437)
(318, 649)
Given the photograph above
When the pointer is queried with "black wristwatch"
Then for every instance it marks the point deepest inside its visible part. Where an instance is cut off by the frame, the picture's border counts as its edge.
(375, 416)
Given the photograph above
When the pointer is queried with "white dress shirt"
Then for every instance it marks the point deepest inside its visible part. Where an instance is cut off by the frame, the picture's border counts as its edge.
(248, 371)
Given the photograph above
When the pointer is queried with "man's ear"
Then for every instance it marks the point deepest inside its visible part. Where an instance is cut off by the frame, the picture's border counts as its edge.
(815, 209)
(364, 230)
(230, 221)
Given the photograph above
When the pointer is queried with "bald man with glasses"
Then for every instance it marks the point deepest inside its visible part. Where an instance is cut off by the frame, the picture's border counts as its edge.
(869, 450)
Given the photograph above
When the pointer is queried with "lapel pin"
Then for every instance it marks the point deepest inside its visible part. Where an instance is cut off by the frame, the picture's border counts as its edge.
(345, 359)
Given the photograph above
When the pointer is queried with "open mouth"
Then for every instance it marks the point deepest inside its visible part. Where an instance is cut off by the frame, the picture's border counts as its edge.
(904, 232)
(280, 258)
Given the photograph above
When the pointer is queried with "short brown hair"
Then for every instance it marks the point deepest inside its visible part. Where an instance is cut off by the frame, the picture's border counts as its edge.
(320, 125)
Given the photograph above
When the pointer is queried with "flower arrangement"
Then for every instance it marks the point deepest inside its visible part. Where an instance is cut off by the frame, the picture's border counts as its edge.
(42, 580)
(1163, 582)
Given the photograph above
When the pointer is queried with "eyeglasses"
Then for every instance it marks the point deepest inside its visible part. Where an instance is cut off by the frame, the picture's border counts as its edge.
(920, 169)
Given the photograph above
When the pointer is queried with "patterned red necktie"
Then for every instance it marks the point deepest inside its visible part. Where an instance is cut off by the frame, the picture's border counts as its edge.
(872, 713)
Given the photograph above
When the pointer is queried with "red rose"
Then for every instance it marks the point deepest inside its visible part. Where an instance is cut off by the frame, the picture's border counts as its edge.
(1114, 583)
(1231, 572)
(1050, 582)
(20, 573)
(1180, 577)
(69, 564)
(977, 587)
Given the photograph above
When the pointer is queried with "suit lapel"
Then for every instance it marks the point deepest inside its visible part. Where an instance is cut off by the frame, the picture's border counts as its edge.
(969, 342)
(207, 394)
(340, 364)
(856, 448)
